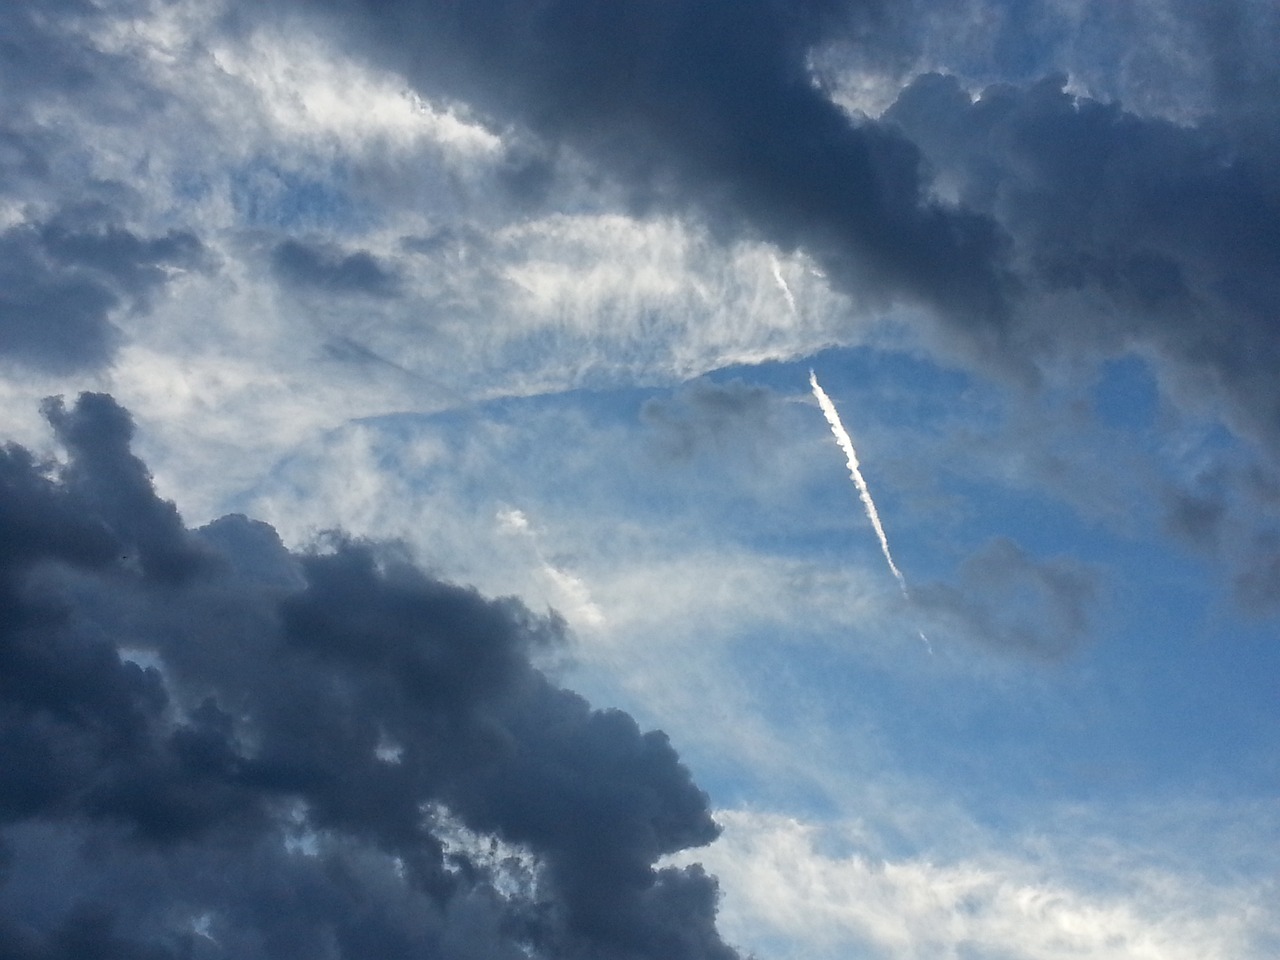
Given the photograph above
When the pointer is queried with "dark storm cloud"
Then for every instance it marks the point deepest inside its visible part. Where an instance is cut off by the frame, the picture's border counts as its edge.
(1079, 227)
(709, 104)
(325, 267)
(60, 280)
(1159, 234)
(210, 747)
(1008, 600)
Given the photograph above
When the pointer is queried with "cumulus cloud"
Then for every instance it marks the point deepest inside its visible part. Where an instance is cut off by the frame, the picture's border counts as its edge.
(233, 750)
(505, 199)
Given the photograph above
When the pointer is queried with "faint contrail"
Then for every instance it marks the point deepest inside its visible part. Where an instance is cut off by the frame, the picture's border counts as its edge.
(782, 283)
(842, 438)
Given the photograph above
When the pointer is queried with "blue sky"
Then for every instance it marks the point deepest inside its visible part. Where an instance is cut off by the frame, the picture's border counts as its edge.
(533, 292)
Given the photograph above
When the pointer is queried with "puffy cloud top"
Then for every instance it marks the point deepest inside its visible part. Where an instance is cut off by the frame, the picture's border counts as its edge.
(245, 752)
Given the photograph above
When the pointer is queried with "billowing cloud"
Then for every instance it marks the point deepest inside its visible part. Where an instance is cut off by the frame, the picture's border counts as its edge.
(1131, 231)
(238, 751)
(450, 271)
(60, 281)
(708, 105)
(1037, 222)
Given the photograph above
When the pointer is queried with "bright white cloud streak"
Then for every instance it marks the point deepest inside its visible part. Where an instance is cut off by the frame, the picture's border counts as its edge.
(582, 609)
(851, 458)
(782, 284)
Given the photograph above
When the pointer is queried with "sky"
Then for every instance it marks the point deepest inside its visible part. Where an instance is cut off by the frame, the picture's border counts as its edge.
(690, 479)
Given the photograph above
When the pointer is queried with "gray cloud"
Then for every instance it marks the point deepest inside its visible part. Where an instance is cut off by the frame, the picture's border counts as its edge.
(1009, 600)
(1256, 583)
(706, 416)
(60, 280)
(326, 267)
(51, 70)
(71, 257)
(1197, 519)
(212, 747)
(709, 105)
(1159, 234)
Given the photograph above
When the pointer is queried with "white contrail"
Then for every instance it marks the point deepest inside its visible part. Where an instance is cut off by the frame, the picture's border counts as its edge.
(782, 283)
(842, 438)
(851, 456)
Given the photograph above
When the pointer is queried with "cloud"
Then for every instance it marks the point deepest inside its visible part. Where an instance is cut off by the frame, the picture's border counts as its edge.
(1256, 583)
(723, 419)
(1011, 601)
(1229, 515)
(1196, 519)
(44, 61)
(253, 742)
(710, 107)
(61, 279)
(1129, 231)
(803, 889)
(1037, 222)
(328, 268)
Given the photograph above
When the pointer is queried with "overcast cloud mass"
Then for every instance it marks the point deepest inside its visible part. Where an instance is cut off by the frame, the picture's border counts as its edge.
(418, 537)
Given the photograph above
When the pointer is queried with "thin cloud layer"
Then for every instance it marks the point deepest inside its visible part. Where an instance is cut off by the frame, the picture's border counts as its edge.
(242, 751)
(855, 904)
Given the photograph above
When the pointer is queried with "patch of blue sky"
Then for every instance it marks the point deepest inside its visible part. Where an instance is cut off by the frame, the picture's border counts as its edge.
(1126, 395)
(1148, 701)
(1192, 688)
(266, 194)
(899, 386)
(1007, 754)
(1012, 750)
(1152, 701)
(1038, 520)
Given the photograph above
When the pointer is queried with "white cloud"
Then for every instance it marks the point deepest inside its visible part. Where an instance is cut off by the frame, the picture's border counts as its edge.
(570, 593)
(306, 91)
(807, 885)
